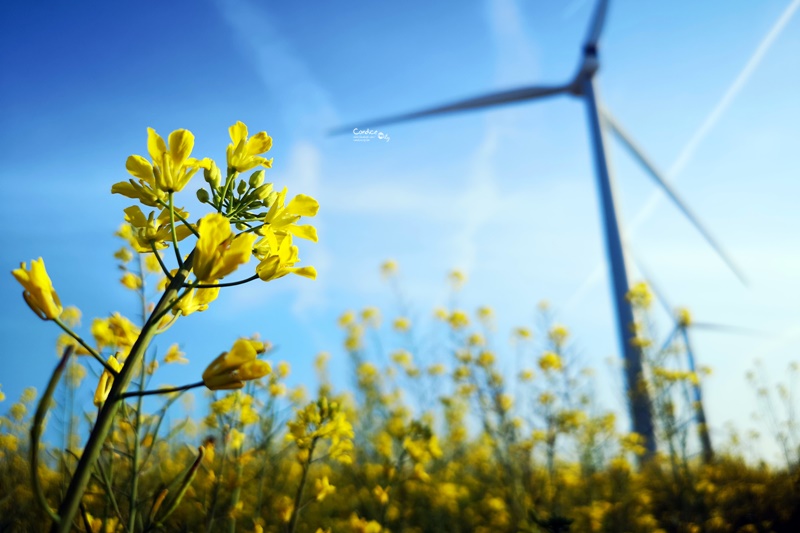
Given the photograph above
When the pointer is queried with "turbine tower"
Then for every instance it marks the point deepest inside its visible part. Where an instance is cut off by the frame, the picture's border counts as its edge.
(582, 86)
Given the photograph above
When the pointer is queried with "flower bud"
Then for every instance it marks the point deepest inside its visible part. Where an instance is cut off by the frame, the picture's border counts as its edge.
(263, 191)
(213, 176)
(256, 178)
(202, 195)
(241, 187)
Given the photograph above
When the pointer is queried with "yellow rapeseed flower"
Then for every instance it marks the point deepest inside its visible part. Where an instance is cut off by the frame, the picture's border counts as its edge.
(458, 319)
(151, 229)
(389, 268)
(324, 488)
(522, 333)
(170, 170)
(558, 334)
(381, 494)
(282, 219)
(244, 154)
(196, 300)
(71, 316)
(231, 369)
(115, 331)
(550, 361)
(457, 279)
(39, 293)
(640, 295)
(218, 252)
(279, 260)
(401, 324)
(131, 281)
(174, 355)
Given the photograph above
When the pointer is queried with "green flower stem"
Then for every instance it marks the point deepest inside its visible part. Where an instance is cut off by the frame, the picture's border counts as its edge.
(160, 391)
(155, 318)
(135, 462)
(187, 480)
(215, 285)
(169, 324)
(186, 222)
(299, 495)
(105, 418)
(172, 230)
(155, 431)
(36, 433)
(91, 350)
(106, 480)
(231, 178)
(164, 268)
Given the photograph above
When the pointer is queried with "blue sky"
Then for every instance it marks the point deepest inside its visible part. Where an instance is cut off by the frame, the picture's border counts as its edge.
(507, 195)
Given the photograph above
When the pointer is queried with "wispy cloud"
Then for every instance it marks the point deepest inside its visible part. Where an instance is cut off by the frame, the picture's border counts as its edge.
(304, 102)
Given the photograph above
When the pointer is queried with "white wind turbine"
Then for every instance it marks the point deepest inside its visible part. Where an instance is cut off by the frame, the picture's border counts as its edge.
(582, 86)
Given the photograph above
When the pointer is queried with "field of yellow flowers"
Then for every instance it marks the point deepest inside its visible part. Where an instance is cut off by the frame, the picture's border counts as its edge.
(434, 435)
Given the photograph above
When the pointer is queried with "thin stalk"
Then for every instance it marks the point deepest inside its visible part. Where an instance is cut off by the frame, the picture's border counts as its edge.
(36, 433)
(155, 318)
(186, 222)
(164, 268)
(299, 495)
(135, 461)
(217, 285)
(160, 391)
(142, 376)
(172, 230)
(187, 480)
(237, 491)
(91, 350)
(224, 196)
(215, 495)
(106, 480)
(70, 504)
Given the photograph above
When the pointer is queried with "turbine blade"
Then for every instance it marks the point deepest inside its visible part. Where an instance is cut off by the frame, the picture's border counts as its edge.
(671, 193)
(504, 97)
(596, 27)
(709, 326)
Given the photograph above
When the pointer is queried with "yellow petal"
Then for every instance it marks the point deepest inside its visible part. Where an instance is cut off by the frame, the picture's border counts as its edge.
(268, 268)
(181, 143)
(254, 370)
(238, 132)
(307, 272)
(214, 229)
(303, 205)
(156, 146)
(304, 232)
(259, 143)
(140, 168)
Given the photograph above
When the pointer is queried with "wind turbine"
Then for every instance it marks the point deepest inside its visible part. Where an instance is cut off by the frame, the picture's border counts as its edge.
(582, 86)
(683, 323)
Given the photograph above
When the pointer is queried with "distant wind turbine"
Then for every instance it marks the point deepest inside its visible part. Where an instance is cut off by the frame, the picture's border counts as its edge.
(582, 85)
(683, 323)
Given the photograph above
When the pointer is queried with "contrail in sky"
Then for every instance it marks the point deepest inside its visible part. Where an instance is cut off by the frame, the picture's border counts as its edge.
(699, 135)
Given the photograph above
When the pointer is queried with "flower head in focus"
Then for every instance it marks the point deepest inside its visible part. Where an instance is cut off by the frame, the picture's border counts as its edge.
(218, 252)
(245, 154)
(151, 231)
(170, 170)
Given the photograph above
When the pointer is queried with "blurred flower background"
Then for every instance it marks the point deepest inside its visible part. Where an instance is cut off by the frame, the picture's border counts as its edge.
(506, 196)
